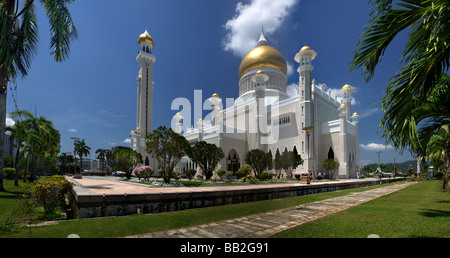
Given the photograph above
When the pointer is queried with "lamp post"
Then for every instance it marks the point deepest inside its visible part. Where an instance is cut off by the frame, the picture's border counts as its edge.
(308, 132)
(75, 154)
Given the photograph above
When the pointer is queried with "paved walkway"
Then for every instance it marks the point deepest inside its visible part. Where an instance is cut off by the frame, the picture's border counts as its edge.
(266, 224)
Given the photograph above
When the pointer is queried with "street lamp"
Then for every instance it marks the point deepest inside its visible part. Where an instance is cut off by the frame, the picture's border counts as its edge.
(308, 132)
(74, 154)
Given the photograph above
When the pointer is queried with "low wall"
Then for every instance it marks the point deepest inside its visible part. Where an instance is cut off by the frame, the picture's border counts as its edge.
(90, 206)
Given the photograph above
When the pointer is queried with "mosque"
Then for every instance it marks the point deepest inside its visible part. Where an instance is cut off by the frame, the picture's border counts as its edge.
(311, 122)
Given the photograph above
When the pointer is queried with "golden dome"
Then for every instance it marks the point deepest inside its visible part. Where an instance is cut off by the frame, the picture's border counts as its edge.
(263, 56)
(145, 37)
(305, 48)
(215, 95)
(342, 106)
(346, 86)
(355, 114)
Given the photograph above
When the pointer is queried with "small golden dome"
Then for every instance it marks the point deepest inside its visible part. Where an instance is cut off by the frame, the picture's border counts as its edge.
(215, 95)
(346, 86)
(305, 48)
(145, 37)
(342, 105)
(263, 56)
(355, 114)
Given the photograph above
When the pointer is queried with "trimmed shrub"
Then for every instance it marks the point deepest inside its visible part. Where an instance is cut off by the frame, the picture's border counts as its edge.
(190, 173)
(9, 173)
(50, 192)
(265, 176)
(144, 172)
(221, 173)
(245, 169)
(250, 178)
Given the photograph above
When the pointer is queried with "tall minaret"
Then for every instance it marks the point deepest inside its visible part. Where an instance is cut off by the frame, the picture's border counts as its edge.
(144, 116)
(304, 58)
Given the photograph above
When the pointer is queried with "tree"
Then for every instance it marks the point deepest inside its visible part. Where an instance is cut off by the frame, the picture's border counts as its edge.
(18, 45)
(288, 161)
(82, 150)
(330, 165)
(258, 160)
(127, 159)
(167, 147)
(19, 133)
(438, 148)
(42, 141)
(207, 156)
(101, 155)
(425, 57)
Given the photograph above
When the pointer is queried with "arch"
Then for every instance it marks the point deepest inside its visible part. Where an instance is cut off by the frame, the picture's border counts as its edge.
(331, 154)
(277, 153)
(147, 161)
(233, 161)
(295, 150)
(271, 159)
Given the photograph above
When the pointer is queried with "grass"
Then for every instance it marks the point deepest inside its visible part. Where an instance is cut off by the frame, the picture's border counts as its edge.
(420, 211)
(135, 224)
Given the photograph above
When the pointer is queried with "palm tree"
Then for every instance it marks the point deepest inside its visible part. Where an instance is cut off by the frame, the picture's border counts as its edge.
(101, 155)
(19, 132)
(438, 148)
(82, 150)
(41, 138)
(63, 158)
(18, 45)
(426, 55)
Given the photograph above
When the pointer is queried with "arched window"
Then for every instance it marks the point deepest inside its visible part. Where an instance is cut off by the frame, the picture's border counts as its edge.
(233, 161)
(271, 159)
(331, 154)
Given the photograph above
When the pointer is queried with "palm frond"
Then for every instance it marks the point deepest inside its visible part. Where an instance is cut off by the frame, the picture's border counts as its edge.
(62, 28)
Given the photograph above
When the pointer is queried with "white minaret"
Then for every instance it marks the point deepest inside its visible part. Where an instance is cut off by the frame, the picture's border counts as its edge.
(144, 116)
(304, 58)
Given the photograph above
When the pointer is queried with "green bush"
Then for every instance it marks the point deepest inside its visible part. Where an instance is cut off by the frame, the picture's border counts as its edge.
(250, 178)
(245, 170)
(229, 175)
(221, 173)
(265, 176)
(239, 174)
(9, 173)
(50, 192)
(190, 173)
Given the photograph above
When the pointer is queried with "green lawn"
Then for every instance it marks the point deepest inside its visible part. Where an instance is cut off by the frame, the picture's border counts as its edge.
(131, 225)
(420, 211)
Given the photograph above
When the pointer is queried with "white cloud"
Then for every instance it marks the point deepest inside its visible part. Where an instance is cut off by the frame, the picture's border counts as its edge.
(244, 27)
(72, 130)
(369, 112)
(291, 90)
(10, 122)
(376, 147)
(127, 140)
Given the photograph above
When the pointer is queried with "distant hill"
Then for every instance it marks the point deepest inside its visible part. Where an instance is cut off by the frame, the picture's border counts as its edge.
(402, 166)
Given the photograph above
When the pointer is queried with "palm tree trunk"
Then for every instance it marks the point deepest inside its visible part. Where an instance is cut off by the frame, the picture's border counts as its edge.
(16, 178)
(2, 131)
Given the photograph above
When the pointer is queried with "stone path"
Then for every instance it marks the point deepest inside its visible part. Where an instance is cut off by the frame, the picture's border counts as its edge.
(266, 224)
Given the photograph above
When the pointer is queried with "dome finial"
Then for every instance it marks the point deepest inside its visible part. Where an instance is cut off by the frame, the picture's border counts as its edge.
(262, 39)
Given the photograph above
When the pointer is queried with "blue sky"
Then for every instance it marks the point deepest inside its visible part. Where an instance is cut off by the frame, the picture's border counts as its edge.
(199, 45)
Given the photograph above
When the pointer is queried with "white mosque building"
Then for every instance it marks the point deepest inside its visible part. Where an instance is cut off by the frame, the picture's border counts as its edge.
(311, 122)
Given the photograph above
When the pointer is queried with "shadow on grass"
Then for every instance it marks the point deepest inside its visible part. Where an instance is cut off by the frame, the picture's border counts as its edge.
(435, 213)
